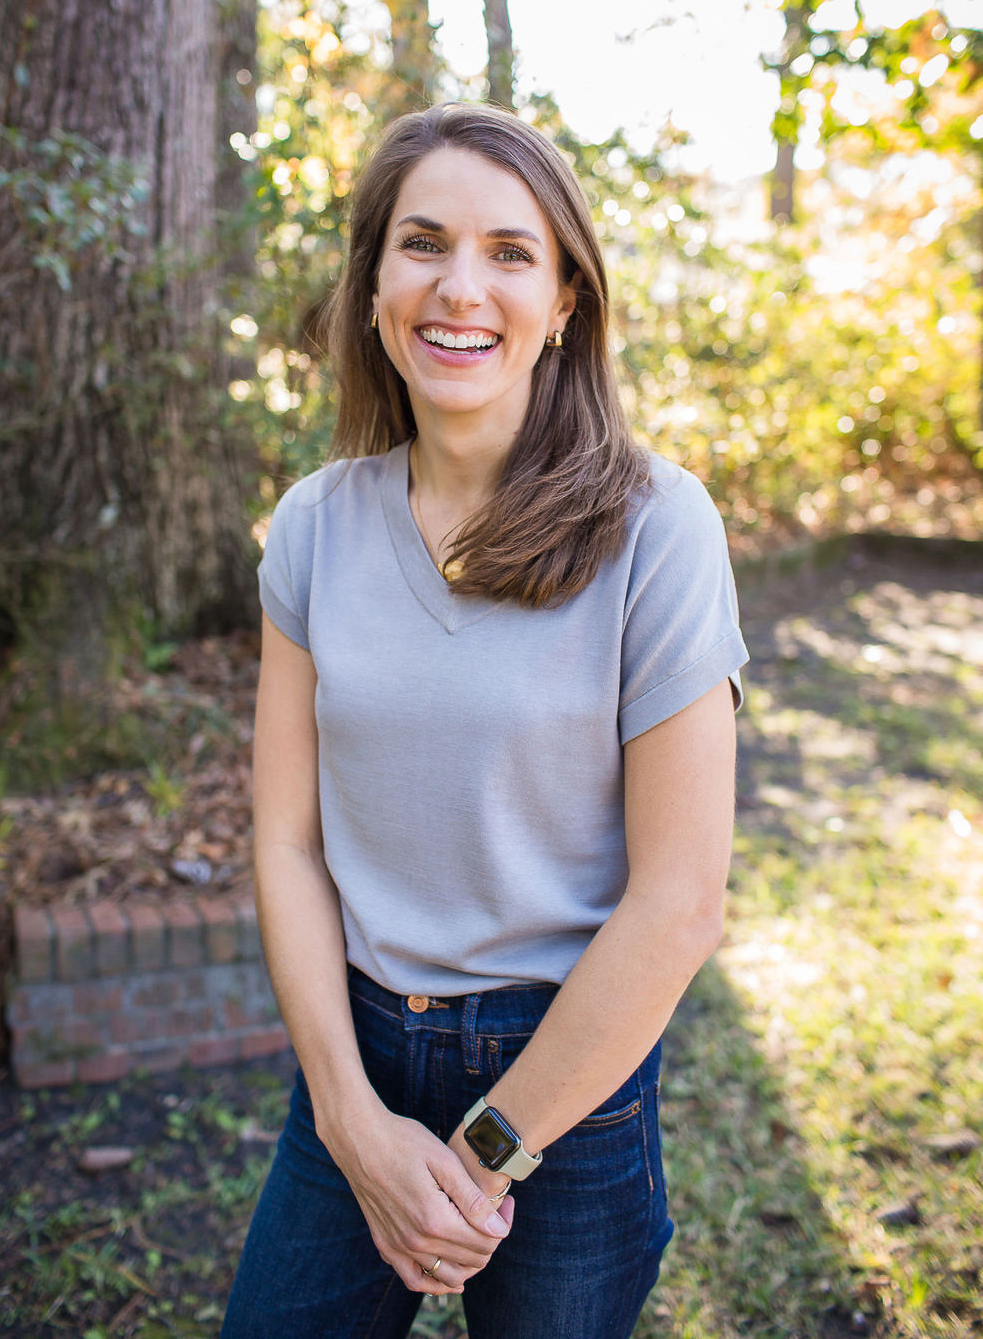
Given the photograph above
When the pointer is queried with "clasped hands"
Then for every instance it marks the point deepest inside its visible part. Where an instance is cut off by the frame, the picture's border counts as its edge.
(426, 1202)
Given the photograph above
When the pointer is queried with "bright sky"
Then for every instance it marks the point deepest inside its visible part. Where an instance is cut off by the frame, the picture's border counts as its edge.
(612, 62)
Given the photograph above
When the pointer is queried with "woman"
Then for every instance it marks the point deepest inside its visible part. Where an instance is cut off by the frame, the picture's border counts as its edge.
(493, 774)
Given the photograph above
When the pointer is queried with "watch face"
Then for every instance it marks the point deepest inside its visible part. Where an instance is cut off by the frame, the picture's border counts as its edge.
(491, 1138)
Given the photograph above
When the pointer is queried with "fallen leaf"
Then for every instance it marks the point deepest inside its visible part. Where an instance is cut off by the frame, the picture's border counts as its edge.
(104, 1158)
(954, 1145)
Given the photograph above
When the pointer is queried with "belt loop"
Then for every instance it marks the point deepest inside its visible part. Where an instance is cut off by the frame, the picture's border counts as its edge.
(470, 1045)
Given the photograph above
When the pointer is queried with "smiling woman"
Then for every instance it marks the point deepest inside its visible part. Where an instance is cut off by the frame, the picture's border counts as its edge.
(552, 502)
(493, 774)
(465, 306)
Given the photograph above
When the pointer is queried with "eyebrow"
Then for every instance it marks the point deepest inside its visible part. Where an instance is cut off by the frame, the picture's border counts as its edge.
(500, 234)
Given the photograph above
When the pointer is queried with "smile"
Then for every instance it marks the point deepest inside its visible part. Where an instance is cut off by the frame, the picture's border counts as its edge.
(447, 339)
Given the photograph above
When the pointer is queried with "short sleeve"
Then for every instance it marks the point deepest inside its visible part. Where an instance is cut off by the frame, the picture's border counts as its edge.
(285, 570)
(680, 633)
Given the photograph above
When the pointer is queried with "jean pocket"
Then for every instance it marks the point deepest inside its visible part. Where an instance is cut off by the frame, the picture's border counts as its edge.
(620, 1106)
(640, 1089)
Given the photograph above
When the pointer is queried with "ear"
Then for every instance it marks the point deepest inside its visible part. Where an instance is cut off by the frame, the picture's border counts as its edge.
(566, 301)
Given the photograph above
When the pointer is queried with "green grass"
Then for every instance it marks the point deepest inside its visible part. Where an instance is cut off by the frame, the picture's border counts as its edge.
(809, 1073)
(836, 1036)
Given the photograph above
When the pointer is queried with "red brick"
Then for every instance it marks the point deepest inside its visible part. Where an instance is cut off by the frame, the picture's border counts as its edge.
(155, 990)
(213, 1051)
(190, 1020)
(236, 1014)
(195, 983)
(185, 945)
(137, 1025)
(147, 941)
(73, 943)
(44, 1003)
(156, 1059)
(33, 941)
(221, 929)
(97, 997)
(78, 1036)
(104, 1067)
(264, 1041)
(44, 1074)
(110, 932)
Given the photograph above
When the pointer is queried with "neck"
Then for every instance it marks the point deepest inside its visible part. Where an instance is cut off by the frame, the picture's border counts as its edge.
(448, 483)
(456, 474)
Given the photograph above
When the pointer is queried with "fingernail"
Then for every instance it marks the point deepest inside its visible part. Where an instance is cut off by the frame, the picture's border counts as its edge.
(497, 1226)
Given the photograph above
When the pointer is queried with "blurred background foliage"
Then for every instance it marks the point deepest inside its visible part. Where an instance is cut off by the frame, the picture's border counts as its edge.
(808, 343)
(819, 374)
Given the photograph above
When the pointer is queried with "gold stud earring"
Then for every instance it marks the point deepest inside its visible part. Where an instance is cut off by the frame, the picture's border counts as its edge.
(374, 323)
(554, 340)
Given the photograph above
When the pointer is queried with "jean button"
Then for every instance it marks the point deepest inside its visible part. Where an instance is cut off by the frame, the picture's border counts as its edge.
(418, 1003)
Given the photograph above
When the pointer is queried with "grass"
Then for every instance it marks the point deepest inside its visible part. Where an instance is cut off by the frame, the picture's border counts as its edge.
(813, 1074)
(820, 1065)
(148, 1248)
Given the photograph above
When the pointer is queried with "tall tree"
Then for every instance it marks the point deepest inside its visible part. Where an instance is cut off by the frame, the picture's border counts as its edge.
(501, 54)
(122, 491)
(787, 119)
(414, 62)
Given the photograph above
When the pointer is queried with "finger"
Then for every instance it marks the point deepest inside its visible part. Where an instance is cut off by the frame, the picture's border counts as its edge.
(413, 1275)
(449, 1273)
(471, 1201)
(441, 1233)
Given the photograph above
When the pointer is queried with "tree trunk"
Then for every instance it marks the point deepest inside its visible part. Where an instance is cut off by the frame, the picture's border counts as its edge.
(122, 494)
(783, 183)
(501, 55)
(236, 82)
(414, 65)
(795, 42)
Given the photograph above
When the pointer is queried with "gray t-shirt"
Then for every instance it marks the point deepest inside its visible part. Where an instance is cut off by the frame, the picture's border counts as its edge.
(471, 775)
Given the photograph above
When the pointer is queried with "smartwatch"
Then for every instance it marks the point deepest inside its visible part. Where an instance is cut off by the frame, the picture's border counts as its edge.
(497, 1145)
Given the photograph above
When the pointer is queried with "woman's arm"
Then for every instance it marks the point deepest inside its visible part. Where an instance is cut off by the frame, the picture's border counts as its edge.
(417, 1198)
(615, 1004)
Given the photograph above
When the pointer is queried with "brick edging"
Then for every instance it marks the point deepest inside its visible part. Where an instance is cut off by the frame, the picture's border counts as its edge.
(103, 988)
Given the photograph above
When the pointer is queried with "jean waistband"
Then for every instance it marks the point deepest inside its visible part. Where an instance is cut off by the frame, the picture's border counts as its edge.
(499, 1012)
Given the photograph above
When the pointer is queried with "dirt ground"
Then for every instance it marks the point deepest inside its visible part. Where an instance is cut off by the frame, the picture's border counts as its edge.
(195, 1144)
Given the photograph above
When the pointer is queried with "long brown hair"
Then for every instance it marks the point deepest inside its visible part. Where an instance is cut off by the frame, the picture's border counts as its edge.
(560, 505)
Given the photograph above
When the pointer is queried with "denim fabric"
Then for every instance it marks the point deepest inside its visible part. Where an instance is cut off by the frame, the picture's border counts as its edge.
(590, 1224)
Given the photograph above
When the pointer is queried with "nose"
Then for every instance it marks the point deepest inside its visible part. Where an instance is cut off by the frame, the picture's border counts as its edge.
(460, 284)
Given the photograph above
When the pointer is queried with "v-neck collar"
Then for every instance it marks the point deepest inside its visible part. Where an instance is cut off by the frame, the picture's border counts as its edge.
(451, 611)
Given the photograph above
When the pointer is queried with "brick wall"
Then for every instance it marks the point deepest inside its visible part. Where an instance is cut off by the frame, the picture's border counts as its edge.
(100, 989)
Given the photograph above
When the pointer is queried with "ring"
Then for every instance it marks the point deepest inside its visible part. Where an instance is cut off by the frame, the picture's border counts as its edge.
(502, 1193)
(431, 1273)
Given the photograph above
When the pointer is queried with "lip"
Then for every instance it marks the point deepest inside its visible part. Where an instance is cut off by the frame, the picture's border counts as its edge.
(456, 357)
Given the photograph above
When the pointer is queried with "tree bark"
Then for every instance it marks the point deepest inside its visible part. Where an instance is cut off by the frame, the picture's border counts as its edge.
(122, 493)
(414, 65)
(501, 54)
(794, 43)
(236, 82)
(783, 183)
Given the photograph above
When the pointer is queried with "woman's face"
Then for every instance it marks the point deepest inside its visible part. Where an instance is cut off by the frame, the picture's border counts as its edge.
(468, 289)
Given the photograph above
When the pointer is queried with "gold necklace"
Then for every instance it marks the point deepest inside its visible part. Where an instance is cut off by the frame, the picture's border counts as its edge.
(450, 570)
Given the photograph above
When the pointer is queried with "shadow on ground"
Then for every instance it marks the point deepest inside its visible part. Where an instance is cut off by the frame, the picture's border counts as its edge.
(852, 688)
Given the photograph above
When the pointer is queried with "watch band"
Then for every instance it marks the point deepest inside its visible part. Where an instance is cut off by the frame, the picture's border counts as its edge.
(519, 1162)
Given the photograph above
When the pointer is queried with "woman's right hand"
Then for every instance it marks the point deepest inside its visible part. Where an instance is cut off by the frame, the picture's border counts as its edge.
(420, 1203)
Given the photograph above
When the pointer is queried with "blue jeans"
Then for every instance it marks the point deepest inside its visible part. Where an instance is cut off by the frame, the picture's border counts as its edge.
(590, 1224)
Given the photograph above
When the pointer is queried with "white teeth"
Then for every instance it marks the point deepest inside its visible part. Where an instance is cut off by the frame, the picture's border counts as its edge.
(447, 340)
